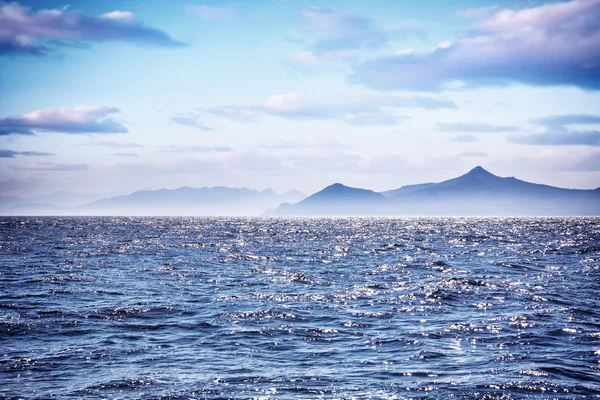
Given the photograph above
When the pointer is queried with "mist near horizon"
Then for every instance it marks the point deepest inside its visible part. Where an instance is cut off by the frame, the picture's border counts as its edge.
(476, 193)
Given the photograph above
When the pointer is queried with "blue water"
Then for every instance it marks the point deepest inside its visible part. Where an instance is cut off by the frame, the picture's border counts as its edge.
(180, 308)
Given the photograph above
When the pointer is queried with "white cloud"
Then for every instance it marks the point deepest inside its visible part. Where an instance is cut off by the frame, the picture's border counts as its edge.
(552, 44)
(359, 110)
(25, 32)
(75, 120)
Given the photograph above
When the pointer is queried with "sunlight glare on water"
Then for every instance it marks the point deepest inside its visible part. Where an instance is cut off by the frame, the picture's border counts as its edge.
(300, 308)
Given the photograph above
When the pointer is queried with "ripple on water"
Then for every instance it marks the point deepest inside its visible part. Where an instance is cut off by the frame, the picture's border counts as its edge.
(475, 308)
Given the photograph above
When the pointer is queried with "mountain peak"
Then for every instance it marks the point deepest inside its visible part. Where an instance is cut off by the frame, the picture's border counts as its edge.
(478, 170)
(480, 173)
(336, 186)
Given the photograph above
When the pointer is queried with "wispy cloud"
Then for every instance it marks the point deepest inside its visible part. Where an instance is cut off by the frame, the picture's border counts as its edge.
(475, 127)
(569, 119)
(52, 167)
(477, 12)
(343, 36)
(131, 155)
(191, 120)
(4, 153)
(465, 138)
(196, 149)
(552, 44)
(569, 138)
(557, 131)
(76, 120)
(311, 142)
(112, 144)
(211, 13)
(375, 109)
(24, 31)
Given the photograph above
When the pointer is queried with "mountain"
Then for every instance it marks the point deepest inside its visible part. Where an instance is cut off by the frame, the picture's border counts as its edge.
(190, 201)
(336, 199)
(478, 192)
(69, 199)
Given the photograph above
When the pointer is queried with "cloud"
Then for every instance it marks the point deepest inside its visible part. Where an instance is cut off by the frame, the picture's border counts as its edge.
(570, 119)
(52, 167)
(310, 142)
(341, 36)
(552, 44)
(465, 138)
(125, 154)
(211, 13)
(4, 153)
(23, 31)
(358, 110)
(557, 133)
(587, 138)
(112, 144)
(480, 12)
(475, 127)
(196, 149)
(234, 113)
(76, 120)
(190, 119)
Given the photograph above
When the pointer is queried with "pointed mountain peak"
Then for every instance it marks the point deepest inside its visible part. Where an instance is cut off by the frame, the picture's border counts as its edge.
(480, 172)
(336, 186)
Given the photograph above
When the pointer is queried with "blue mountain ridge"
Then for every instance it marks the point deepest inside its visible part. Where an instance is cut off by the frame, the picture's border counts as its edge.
(478, 192)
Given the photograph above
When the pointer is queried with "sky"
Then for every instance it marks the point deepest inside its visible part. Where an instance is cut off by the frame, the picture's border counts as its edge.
(112, 96)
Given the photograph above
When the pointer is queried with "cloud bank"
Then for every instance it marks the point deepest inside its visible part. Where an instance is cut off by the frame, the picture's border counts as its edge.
(52, 167)
(557, 133)
(375, 109)
(23, 31)
(5, 153)
(76, 120)
(191, 120)
(552, 44)
(475, 127)
(341, 36)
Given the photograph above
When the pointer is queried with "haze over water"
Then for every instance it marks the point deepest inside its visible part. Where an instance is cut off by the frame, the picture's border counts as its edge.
(299, 308)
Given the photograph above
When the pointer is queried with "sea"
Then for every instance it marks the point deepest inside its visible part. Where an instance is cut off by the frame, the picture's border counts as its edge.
(299, 308)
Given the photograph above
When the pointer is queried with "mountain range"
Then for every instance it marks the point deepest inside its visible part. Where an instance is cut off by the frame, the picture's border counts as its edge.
(477, 192)
(181, 201)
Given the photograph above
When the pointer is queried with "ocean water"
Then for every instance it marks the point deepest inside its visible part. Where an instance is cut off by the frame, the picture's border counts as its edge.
(181, 308)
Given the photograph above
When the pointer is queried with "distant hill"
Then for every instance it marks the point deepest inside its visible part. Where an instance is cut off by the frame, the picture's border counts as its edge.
(477, 192)
(336, 199)
(69, 199)
(190, 201)
(181, 201)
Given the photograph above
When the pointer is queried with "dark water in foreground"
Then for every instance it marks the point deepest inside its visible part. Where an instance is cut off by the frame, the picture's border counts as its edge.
(300, 308)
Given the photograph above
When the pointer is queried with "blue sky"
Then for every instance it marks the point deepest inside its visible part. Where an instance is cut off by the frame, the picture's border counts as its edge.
(116, 96)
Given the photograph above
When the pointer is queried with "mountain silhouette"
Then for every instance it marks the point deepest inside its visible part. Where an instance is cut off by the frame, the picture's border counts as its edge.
(218, 200)
(478, 192)
(336, 199)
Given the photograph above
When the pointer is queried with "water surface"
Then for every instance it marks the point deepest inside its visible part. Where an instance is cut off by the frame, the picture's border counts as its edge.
(300, 308)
